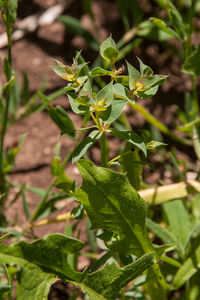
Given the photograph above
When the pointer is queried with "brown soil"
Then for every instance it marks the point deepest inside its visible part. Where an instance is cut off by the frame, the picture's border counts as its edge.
(33, 54)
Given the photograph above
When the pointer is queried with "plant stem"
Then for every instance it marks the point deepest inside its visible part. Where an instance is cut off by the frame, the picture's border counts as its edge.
(152, 120)
(117, 157)
(103, 150)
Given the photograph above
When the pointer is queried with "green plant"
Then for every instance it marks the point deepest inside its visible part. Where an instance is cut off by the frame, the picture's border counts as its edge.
(108, 198)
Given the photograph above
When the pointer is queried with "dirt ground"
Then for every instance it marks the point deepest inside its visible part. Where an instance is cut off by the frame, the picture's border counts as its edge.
(33, 54)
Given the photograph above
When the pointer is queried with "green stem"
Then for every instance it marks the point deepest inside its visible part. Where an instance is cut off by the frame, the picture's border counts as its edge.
(98, 121)
(103, 150)
(117, 157)
(152, 120)
(5, 117)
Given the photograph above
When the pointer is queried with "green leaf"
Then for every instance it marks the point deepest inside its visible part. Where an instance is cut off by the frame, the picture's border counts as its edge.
(25, 205)
(147, 93)
(192, 63)
(144, 69)
(113, 204)
(179, 221)
(177, 23)
(130, 137)
(133, 74)
(188, 127)
(8, 86)
(108, 51)
(5, 236)
(76, 107)
(64, 131)
(74, 25)
(162, 25)
(25, 89)
(188, 269)
(124, 80)
(62, 180)
(108, 281)
(105, 96)
(175, 163)
(41, 262)
(195, 228)
(62, 120)
(4, 291)
(12, 152)
(113, 111)
(98, 71)
(121, 92)
(7, 68)
(154, 144)
(151, 31)
(45, 259)
(85, 145)
(64, 72)
(78, 212)
(152, 81)
(165, 235)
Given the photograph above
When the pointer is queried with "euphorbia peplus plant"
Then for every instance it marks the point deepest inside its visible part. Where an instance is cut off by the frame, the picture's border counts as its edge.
(110, 201)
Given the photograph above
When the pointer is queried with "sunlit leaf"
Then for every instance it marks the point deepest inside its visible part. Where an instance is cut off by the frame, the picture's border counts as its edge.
(130, 137)
(113, 204)
(101, 72)
(108, 50)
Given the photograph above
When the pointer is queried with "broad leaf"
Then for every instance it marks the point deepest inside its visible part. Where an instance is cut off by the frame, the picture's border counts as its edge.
(41, 261)
(152, 81)
(144, 69)
(45, 259)
(113, 111)
(122, 80)
(107, 282)
(134, 76)
(101, 72)
(147, 93)
(121, 92)
(130, 137)
(64, 72)
(105, 96)
(76, 107)
(113, 204)
(85, 145)
(108, 51)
